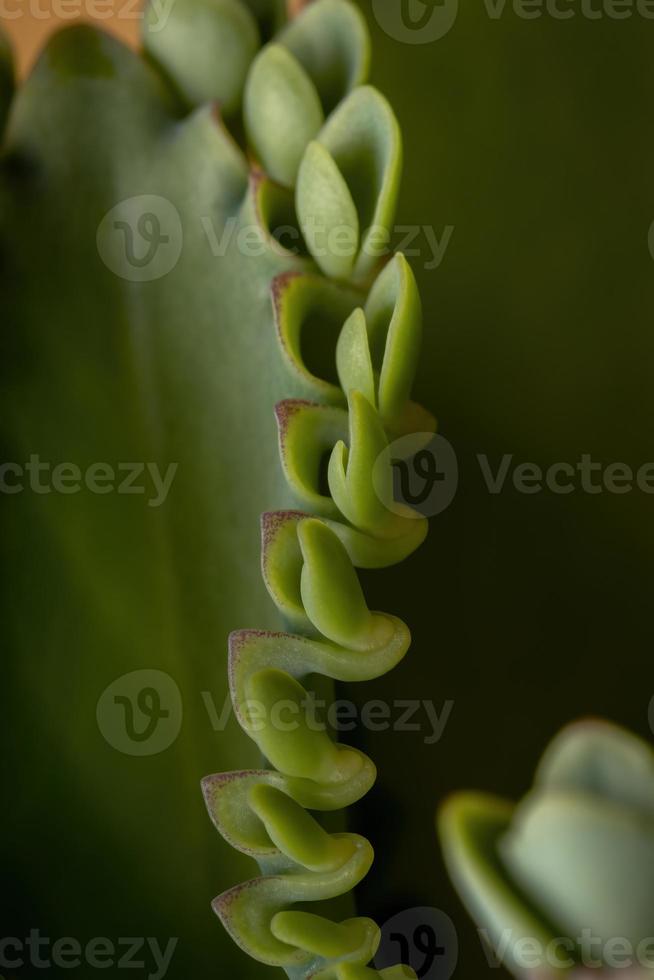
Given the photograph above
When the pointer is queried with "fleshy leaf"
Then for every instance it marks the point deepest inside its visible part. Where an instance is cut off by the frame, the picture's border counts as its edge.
(330, 589)
(470, 827)
(249, 910)
(394, 320)
(324, 938)
(586, 862)
(307, 433)
(149, 353)
(327, 213)
(227, 796)
(581, 844)
(296, 833)
(205, 47)
(281, 565)
(353, 359)
(309, 312)
(331, 42)
(254, 650)
(281, 555)
(363, 140)
(293, 745)
(603, 760)
(577, 854)
(282, 112)
(100, 368)
(357, 496)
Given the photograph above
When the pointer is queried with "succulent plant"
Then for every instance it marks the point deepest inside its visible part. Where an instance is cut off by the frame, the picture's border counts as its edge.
(308, 567)
(149, 336)
(317, 129)
(174, 302)
(564, 879)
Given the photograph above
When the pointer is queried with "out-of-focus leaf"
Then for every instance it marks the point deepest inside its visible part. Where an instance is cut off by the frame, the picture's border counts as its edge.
(332, 43)
(282, 112)
(205, 46)
(98, 368)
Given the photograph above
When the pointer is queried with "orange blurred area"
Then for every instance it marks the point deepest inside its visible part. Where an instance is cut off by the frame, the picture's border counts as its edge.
(30, 22)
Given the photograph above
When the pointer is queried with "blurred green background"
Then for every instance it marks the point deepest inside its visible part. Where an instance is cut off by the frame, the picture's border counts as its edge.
(531, 137)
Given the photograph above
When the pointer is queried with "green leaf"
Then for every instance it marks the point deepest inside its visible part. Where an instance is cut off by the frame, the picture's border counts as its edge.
(306, 433)
(363, 140)
(296, 832)
(394, 321)
(177, 186)
(184, 369)
(576, 854)
(353, 358)
(227, 795)
(204, 46)
(331, 593)
(327, 213)
(603, 760)
(331, 41)
(470, 827)
(282, 112)
(309, 314)
(291, 744)
(250, 913)
(581, 844)
(348, 184)
(326, 938)
(493, 350)
(358, 484)
(586, 862)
